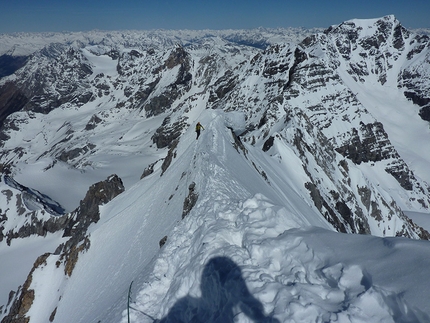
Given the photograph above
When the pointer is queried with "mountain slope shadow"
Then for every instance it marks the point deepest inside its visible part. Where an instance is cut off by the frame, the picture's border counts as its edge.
(224, 296)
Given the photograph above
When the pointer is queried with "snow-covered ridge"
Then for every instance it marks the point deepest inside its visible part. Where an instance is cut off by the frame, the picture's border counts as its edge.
(303, 139)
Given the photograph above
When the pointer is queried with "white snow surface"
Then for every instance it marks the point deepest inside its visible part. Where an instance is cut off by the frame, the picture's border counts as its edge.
(244, 253)
(292, 264)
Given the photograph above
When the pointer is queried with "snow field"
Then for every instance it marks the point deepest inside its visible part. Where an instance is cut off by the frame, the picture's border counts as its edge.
(288, 265)
(297, 273)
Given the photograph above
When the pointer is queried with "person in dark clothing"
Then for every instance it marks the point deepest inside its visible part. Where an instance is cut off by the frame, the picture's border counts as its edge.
(198, 128)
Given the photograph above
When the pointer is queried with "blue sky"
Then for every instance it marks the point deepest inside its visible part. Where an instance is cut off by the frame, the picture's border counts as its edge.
(83, 15)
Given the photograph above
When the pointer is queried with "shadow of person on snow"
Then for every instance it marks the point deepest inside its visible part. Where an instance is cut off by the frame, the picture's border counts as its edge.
(224, 296)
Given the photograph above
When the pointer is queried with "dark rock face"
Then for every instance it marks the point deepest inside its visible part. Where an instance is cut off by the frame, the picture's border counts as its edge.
(71, 254)
(168, 133)
(34, 225)
(170, 155)
(12, 99)
(162, 102)
(88, 210)
(332, 206)
(76, 152)
(425, 113)
(423, 100)
(60, 79)
(148, 170)
(369, 143)
(268, 143)
(190, 200)
(328, 212)
(94, 121)
(162, 241)
(402, 174)
(10, 64)
(223, 86)
(279, 66)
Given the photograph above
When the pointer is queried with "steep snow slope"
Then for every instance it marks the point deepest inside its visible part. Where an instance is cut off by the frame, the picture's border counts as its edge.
(241, 217)
(125, 240)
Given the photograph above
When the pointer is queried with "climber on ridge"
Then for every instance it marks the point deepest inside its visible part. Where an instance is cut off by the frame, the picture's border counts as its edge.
(198, 128)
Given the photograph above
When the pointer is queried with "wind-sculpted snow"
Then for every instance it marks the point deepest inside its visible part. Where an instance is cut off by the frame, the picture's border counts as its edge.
(291, 276)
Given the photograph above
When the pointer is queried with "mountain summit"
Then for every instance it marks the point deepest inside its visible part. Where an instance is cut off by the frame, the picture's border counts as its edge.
(305, 198)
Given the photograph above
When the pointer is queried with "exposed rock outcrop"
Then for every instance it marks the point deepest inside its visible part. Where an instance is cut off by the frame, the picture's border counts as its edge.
(23, 302)
(190, 200)
(88, 210)
(162, 102)
(75, 226)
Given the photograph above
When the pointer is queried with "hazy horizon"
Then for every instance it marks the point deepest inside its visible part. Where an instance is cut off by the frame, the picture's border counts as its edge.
(79, 15)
